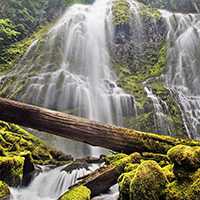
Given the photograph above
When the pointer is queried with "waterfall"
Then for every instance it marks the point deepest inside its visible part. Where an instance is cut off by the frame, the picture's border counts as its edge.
(49, 184)
(70, 69)
(160, 119)
(183, 75)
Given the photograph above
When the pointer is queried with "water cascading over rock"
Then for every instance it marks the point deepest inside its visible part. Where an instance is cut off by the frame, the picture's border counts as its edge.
(183, 74)
(70, 69)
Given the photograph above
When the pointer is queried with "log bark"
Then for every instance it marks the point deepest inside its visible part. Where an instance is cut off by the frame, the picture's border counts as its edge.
(83, 130)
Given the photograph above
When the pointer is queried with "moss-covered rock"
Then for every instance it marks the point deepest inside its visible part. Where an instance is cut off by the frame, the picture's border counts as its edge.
(20, 150)
(148, 183)
(121, 12)
(145, 181)
(77, 193)
(4, 191)
(185, 156)
(168, 171)
(11, 169)
(187, 189)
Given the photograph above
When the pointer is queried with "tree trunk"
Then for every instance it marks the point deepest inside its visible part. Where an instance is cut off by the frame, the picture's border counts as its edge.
(83, 130)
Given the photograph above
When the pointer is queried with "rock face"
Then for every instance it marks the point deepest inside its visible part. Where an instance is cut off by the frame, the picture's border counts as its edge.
(139, 56)
(183, 6)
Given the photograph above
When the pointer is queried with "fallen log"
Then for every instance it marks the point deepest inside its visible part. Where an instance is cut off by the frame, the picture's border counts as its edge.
(83, 130)
(103, 178)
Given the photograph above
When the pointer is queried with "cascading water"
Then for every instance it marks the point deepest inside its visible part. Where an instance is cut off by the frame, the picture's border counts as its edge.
(72, 73)
(160, 119)
(71, 69)
(183, 76)
(49, 184)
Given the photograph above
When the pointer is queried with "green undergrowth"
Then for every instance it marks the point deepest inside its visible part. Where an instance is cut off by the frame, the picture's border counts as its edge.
(19, 148)
(11, 55)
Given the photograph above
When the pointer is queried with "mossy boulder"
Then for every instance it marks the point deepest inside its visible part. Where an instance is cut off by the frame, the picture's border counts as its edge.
(149, 182)
(4, 191)
(188, 189)
(77, 193)
(185, 156)
(125, 180)
(146, 181)
(11, 169)
(20, 151)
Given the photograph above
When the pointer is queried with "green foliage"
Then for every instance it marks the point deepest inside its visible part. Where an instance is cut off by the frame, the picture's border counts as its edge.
(11, 55)
(8, 32)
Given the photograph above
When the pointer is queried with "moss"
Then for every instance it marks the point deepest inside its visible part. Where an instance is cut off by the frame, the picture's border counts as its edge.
(185, 156)
(124, 184)
(168, 171)
(187, 189)
(111, 158)
(149, 182)
(14, 140)
(15, 51)
(4, 191)
(133, 158)
(144, 122)
(121, 12)
(159, 67)
(77, 193)
(151, 12)
(11, 169)
(130, 167)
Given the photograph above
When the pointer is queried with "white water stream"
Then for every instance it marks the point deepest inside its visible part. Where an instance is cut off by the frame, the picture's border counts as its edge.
(75, 75)
(183, 76)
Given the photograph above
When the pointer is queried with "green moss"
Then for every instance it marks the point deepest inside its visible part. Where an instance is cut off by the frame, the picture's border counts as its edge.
(185, 156)
(77, 193)
(4, 191)
(124, 184)
(144, 122)
(133, 158)
(149, 182)
(168, 171)
(184, 190)
(159, 67)
(111, 158)
(121, 12)
(151, 12)
(12, 55)
(11, 169)
(131, 167)
(14, 140)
